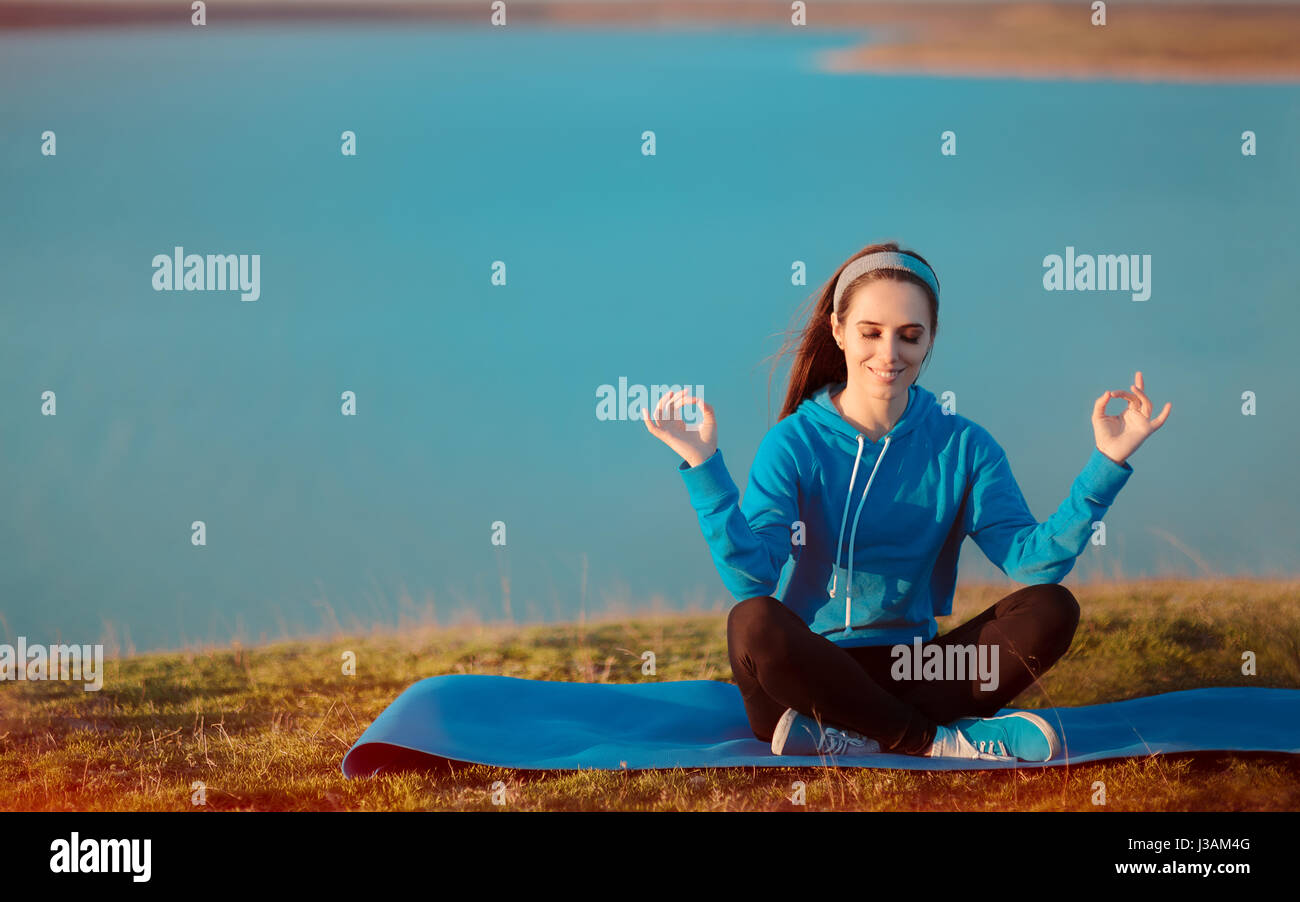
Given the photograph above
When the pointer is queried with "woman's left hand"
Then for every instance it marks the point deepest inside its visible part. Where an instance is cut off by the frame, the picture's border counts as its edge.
(1121, 435)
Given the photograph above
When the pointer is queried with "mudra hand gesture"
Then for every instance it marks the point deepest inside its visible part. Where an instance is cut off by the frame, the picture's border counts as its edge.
(1120, 435)
(694, 444)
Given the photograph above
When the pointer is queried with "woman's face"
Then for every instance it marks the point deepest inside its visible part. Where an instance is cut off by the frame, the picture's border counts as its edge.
(885, 336)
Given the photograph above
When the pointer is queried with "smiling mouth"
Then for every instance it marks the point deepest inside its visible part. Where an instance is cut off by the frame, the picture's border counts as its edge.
(890, 374)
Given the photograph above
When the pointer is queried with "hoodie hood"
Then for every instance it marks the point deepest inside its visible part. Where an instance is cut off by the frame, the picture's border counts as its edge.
(822, 410)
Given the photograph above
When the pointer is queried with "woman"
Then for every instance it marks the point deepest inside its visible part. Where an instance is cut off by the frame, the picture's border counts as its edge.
(819, 669)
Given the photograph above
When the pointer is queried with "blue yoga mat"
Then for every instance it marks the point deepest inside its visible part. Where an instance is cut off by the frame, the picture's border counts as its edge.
(541, 725)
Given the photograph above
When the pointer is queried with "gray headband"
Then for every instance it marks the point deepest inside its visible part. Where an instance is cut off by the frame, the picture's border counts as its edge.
(884, 260)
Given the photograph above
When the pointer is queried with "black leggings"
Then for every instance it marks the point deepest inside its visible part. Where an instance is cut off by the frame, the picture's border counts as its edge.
(779, 663)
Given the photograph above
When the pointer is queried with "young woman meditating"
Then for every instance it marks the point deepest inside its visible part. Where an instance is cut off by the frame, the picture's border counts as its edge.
(871, 487)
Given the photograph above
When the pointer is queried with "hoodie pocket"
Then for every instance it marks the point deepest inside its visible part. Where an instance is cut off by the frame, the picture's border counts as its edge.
(875, 600)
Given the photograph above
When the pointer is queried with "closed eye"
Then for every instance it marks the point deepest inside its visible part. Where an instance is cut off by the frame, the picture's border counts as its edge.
(905, 338)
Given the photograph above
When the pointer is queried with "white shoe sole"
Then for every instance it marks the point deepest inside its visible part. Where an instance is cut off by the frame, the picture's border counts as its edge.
(782, 731)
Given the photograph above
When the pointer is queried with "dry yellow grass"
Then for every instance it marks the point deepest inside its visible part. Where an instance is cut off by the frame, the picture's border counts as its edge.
(266, 728)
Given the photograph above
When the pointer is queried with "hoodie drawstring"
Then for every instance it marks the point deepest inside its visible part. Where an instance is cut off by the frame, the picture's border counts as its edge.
(848, 594)
(839, 546)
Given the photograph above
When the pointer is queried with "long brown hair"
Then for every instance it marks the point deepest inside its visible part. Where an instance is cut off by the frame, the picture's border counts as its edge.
(818, 360)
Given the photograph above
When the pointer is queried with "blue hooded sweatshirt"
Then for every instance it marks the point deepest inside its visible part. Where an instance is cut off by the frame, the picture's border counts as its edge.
(875, 527)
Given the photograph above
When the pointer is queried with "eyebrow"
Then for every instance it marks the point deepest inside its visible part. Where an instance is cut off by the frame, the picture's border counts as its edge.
(867, 322)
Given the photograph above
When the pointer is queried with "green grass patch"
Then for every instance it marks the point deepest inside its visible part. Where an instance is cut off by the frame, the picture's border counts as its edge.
(265, 728)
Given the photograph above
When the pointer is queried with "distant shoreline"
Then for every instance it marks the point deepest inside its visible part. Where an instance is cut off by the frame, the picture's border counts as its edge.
(1217, 42)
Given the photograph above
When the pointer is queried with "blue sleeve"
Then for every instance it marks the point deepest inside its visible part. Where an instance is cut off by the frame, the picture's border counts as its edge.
(999, 521)
(750, 541)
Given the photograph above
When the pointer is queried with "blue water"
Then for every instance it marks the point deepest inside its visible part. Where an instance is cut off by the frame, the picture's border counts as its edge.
(476, 403)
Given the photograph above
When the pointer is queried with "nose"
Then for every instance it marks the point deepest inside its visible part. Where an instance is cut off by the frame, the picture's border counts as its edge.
(889, 353)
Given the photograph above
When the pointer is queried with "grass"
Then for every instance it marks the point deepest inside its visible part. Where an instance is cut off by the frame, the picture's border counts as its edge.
(265, 728)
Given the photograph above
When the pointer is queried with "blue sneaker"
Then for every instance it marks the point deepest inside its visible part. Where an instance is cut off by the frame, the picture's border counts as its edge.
(1019, 735)
(799, 734)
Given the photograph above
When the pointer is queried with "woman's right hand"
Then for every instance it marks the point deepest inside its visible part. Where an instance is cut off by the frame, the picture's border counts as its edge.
(694, 445)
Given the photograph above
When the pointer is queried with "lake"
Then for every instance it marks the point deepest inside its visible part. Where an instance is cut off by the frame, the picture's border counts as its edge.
(476, 402)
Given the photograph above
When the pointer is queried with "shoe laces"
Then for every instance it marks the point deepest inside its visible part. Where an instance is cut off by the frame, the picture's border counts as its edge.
(836, 742)
(993, 747)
